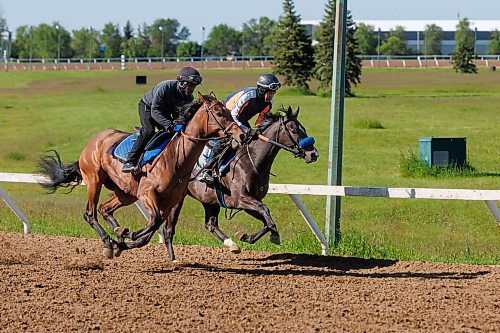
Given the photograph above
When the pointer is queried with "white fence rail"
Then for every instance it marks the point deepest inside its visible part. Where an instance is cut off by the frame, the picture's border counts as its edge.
(488, 196)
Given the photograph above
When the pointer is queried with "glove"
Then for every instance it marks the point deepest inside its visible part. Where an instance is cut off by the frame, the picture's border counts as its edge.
(244, 128)
(179, 128)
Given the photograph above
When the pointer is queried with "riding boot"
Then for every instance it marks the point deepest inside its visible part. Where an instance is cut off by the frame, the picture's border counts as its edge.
(133, 155)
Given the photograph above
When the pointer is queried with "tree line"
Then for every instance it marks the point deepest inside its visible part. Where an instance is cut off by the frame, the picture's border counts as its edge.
(295, 58)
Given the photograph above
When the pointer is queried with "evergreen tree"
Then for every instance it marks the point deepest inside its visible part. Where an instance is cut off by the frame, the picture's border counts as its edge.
(324, 51)
(464, 48)
(294, 54)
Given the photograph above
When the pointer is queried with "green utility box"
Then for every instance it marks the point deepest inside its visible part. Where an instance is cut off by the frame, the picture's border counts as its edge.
(437, 151)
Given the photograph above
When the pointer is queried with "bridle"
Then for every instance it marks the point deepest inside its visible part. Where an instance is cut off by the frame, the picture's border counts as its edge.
(297, 149)
(210, 112)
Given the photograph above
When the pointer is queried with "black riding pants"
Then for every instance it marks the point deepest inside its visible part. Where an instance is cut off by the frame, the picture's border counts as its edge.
(146, 133)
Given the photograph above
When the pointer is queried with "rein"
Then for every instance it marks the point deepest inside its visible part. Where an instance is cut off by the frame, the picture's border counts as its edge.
(296, 150)
(210, 113)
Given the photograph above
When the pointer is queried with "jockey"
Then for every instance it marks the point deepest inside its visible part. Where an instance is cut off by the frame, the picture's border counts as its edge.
(159, 108)
(244, 104)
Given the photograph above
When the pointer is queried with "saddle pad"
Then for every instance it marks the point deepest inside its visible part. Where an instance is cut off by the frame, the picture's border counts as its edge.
(122, 149)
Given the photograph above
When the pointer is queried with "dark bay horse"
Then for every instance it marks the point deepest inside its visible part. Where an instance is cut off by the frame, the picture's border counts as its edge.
(160, 186)
(247, 182)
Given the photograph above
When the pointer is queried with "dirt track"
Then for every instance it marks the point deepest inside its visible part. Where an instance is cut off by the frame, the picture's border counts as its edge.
(59, 284)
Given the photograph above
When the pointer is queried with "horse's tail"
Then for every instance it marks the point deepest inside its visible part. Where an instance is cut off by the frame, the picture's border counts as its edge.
(58, 174)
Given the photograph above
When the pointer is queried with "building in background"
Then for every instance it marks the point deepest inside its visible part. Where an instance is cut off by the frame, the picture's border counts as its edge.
(414, 35)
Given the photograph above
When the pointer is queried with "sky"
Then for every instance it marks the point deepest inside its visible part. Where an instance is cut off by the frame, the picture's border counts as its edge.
(195, 14)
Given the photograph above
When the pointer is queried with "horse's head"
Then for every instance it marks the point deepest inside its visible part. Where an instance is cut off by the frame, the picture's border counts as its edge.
(292, 134)
(218, 120)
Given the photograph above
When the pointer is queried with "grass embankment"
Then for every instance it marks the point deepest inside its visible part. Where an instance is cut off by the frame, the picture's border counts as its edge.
(393, 109)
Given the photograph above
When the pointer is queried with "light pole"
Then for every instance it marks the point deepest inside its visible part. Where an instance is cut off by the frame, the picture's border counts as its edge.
(90, 45)
(378, 48)
(202, 44)
(475, 42)
(162, 44)
(242, 47)
(31, 44)
(58, 45)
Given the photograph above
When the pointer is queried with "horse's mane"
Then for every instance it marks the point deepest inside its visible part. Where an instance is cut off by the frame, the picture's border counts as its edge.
(187, 111)
(270, 118)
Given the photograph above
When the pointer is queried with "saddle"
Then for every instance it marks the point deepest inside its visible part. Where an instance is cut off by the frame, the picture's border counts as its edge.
(154, 147)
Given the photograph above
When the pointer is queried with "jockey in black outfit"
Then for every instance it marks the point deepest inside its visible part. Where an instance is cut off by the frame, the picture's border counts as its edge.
(159, 108)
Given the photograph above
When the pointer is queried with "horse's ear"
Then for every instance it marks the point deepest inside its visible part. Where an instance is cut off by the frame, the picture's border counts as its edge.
(296, 114)
(213, 95)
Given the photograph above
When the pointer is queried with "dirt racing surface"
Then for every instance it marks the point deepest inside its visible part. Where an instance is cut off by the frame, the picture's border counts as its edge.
(61, 284)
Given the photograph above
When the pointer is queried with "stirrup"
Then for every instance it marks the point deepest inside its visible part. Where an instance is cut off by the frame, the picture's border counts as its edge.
(205, 177)
(128, 167)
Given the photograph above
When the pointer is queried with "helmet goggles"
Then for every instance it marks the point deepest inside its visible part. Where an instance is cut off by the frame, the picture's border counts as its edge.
(192, 79)
(272, 86)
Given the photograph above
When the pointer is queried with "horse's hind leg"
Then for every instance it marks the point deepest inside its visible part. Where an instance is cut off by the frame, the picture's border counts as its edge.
(212, 225)
(143, 236)
(94, 186)
(107, 209)
(259, 211)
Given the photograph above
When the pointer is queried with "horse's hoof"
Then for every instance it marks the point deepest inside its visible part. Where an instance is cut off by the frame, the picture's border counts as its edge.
(234, 248)
(108, 253)
(275, 239)
(117, 252)
(239, 235)
(121, 232)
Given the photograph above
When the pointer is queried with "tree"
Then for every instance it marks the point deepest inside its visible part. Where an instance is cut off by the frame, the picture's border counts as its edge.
(366, 38)
(128, 31)
(433, 35)
(188, 49)
(294, 54)
(464, 48)
(255, 36)
(170, 33)
(324, 51)
(85, 43)
(395, 43)
(223, 40)
(494, 43)
(110, 41)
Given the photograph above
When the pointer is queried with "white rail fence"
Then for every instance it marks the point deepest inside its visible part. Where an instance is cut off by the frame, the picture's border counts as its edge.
(488, 196)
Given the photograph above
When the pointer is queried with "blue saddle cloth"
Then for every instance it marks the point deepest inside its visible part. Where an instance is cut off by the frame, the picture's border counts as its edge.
(153, 148)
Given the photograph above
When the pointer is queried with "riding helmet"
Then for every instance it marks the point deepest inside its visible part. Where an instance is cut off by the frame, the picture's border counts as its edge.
(189, 75)
(267, 82)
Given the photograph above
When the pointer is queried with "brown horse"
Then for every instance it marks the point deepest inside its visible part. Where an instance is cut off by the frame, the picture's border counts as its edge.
(160, 186)
(247, 182)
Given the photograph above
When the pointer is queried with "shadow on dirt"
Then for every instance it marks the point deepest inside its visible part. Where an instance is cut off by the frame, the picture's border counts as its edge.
(314, 265)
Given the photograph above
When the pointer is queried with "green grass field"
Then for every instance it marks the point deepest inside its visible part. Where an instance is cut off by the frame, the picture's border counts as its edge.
(58, 110)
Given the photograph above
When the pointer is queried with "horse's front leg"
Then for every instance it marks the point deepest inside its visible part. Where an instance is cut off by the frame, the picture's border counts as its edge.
(168, 229)
(258, 210)
(212, 225)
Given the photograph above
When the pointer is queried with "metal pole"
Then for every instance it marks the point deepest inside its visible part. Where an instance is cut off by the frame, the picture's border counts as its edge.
(332, 227)
(202, 44)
